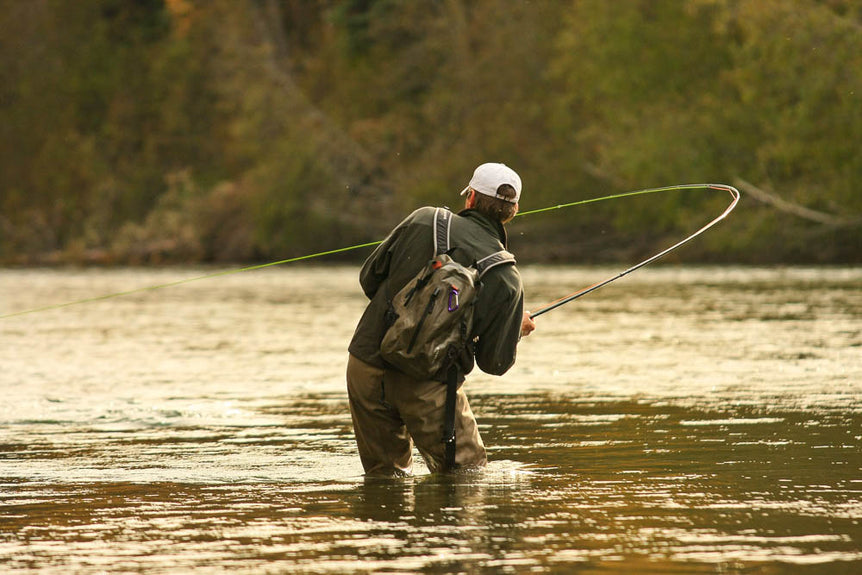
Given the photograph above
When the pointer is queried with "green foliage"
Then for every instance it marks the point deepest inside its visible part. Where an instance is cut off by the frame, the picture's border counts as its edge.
(220, 130)
(803, 78)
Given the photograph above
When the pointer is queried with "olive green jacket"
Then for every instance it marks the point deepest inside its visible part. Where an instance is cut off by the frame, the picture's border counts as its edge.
(499, 305)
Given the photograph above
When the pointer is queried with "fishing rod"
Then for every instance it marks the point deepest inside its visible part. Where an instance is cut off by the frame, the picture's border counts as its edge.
(582, 292)
(541, 311)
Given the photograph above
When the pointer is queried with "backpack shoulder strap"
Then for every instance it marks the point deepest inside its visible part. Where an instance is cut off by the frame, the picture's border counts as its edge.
(442, 223)
(442, 226)
(494, 260)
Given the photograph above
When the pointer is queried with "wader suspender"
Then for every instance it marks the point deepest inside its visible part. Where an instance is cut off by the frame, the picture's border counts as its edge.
(449, 418)
(442, 222)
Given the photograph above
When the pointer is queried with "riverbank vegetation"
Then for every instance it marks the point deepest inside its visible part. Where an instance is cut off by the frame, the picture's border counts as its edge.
(223, 131)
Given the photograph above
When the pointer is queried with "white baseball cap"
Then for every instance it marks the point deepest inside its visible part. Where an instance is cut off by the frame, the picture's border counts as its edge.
(488, 177)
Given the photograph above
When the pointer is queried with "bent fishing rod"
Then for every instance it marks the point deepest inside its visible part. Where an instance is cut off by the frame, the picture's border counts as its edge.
(582, 292)
(553, 305)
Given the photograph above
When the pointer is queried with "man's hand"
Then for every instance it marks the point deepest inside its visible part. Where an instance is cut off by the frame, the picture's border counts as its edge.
(527, 324)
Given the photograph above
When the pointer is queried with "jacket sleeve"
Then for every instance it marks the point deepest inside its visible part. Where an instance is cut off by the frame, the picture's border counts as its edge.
(499, 328)
(376, 267)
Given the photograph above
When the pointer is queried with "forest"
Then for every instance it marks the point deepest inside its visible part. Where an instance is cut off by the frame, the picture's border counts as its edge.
(141, 132)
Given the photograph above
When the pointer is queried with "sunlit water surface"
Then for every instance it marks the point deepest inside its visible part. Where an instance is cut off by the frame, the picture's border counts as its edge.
(704, 420)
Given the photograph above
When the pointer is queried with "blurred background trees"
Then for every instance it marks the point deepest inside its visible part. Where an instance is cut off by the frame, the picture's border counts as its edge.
(146, 131)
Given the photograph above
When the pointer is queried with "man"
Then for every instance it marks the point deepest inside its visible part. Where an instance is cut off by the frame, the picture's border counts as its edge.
(390, 409)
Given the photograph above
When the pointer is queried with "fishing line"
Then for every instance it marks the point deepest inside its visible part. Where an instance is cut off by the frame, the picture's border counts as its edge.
(540, 311)
(188, 280)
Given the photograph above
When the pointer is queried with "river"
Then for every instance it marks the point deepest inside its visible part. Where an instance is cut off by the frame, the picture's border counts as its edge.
(680, 420)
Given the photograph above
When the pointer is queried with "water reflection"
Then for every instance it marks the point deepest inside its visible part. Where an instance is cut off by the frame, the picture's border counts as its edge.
(602, 485)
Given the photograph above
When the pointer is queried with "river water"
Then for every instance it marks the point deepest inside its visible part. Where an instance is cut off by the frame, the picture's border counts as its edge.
(680, 420)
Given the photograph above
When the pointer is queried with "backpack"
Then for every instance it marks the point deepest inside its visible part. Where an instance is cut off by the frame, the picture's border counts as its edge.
(432, 315)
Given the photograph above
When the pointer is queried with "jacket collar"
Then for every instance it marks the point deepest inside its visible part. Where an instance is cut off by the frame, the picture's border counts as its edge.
(493, 227)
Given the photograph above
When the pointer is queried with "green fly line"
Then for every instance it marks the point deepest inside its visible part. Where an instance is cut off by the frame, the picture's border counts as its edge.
(188, 280)
(557, 303)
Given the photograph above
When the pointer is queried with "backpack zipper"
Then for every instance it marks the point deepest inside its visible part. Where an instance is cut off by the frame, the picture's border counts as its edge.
(428, 309)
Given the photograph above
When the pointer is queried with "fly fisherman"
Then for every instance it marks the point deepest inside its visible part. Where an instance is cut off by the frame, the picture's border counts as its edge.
(392, 409)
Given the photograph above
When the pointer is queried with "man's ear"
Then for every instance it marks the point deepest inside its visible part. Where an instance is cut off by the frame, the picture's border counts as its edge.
(471, 198)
